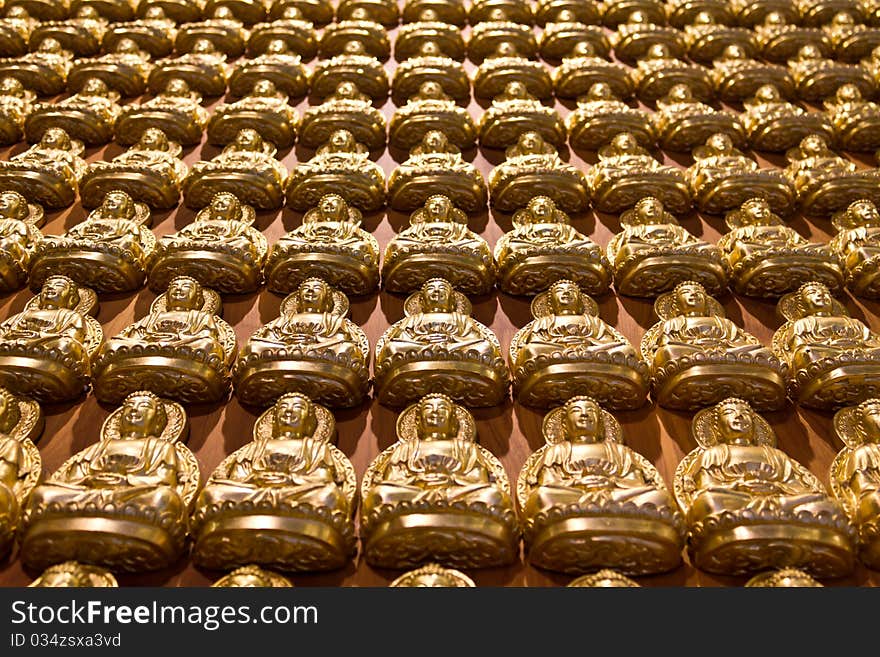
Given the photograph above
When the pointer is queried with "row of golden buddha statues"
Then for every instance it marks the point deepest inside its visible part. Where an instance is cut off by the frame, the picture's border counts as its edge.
(583, 502)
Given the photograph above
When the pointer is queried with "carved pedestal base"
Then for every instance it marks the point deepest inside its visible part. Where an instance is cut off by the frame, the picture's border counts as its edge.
(360, 190)
(84, 127)
(694, 383)
(568, 190)
(219, 271)
(103, 272)
(261, 381)
(619, 194)
(833, 194)
(532, 274)
(835, 382)
(733, 191)
(545, 382)
(470, 274)
(689, 132)
(258, 189)
(773, 276)
(37, 186)
(144, 186)
(788, 131)
(182, 379)
(472, 384)
(39, 378)
(410, 192)
(287, 268)
(654, 275)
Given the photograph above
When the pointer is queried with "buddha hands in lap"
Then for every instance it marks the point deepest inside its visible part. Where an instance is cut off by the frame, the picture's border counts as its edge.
(177, 111)
(290, 470)
(435, 495)
(588, 501)
(48, 172)
(19, 236)
(122, 502)
(749, 506)
(311, 348)
(858, 245)
(698, 356)
(439, 347)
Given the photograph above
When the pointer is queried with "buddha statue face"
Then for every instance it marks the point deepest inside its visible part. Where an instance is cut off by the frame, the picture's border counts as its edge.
(680, 93)
(13, 206)
(153, 139)
(9, 412)
(431, 579)
(55, 138)
(436, 296)
(704, 18)
(864, 212)
(127, 47)
(506, 49)
(809, 52)
(541, 209)
(248, 140)
(650, 210)
(816, 299)
(204, 47)
(516, 90)
(735, 423)
(600, 91)
(223, 13)
(178, 88)
(531, 143)
(583, 49)
(183, 294)
(294, 417)
(264, 89)
(565, 299)
(638, 18)
(333, 207)
(438, 208)
(658, 51)
(341, 141)
(49, 46)
(848, 93)
(225, 206)
(117, 205)
(430, 49)
(625, 143)
(757, 210)
(58, 292)
(768, 93)
(314, 296)
(583, 421)
(292, 13)
(247, 580)
(277, 47)
(11, 87)
(354, 48)
(774, 19)
(435, 141)
(720, 143)
(155, 13)
(733, 52)
(691, 299)
(436, 419)
(142, 416)
(431, 91)
(346, 90)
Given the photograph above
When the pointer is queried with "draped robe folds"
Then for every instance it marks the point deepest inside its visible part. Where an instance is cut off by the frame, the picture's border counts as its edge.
(61, 329)
(232, 234)
(861, 245)
(584, 334)
(683, 336)
(14, 239)
(814, 337)
(122, 233)
(11, 459)
(192, 329)
(453, 331)
(861, 473)
(312, 331)
(542, 236)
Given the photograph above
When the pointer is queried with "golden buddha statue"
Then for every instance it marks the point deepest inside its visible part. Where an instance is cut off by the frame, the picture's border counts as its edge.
(450, 12)
(108, 252)
(437, 496)
(44, 69)
(182, 348)
(600, 115)
(46, 350)
(15, 29)
(16, 104)
(769, 259)
(293, 27)
(284, 500)
(433, 575)
(203, 69)
(780, 38)
(855, 474)
(220, 26)
(627, 172)
(723, 178)
(362, 27)
(48, 172)
(816, 77)
(154, 33)
(870, 64)
(698, 357)
(750, 13)
(507, 64)
(180, 11)
(264, 109)
(435, 164)
(543, 248)
(826, 182)
(820, 12)
(72, 574)
(430, 64)
(353, 65)
(81, 34)
(113, 11)
(310, 349)
(124, 70)
(583, 67)
(684, 12)
(563, 31)
(514, 11)
(330, 245)
(783, 578)
(499, 30)
(568, 350)
(276, 63)
(516, 111)
(429, 110)
(549, 12)
(345, 109)
(150, 172)
(533, 168)
(411, 36)
(41, 10)
(774, 124)
(177, 112)
(856, 120)
(439, 347)
(851, 40)
(604, 579)
(252, 576)
(88, 116)
(385, 12)
(246, 167)
(659, 70)
(857, 243)
(21, 422)
(832, 357)
(706, 38)
(749, 506)
(682, 122)
(438, 243)
(634, 37)
(19, 236)
(122, 502)
(736, 76)
(587, 501)
(220, 249)
(653, 253)
(342, 165)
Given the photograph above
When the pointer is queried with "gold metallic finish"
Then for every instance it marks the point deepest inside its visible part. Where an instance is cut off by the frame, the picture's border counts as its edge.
(297, 33)
(856, 120)
(706, 38)
(832, 357)
(749, 13)
(430, 64)
(659, 70)
(330, 244)
(108, 252)
(635, 37)
(177, 111)
(788, 578)
(320, 12)
(154, 33)
(514, 112)
(248, 12)
(410, 38)
(81, 34)
(342, 165)
(285, 500)
(515, 11)
(220, 249)
(385, 12)
(653, 253)
(353, 65)
(46, 350)
(88, 116)
(16, 104)
(21, 423)
(599, 116)
(372, 35)
(44, 70)
(19, 236)
(769, 259)
(568, 350)
(852, 41)
(586, 12)
(345, 109)
(433, 575)
(246, 167)
(487, 36)
(181, 348)
(122, 502)
(48, 172)
(699, 357)
(582, 68)
(264, 109)
(203, 69)
(736, 76)
(435, 495)
(685, 12)
(627, 172)
(226, 33)
(180, 11)
(588, 501)
(858, 244)
(112, 10)
(277, 64)
(252, 576)
(506, 65)
(750, 506)
(15, 29)
(559, 38)
(774, 124)
(780, 39)
(72, 574)
(451, 12)
(604, 579)
(431, 109)
(533, 168)
(311, 349)
(682, 122)
(817, 77)
(124, 70)
(543, 248)
(439, 347)
(619, 11)
(821, 12)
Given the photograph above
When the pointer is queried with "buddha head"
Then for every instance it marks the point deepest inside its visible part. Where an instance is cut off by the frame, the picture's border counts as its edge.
(142, 416)
(153, 139)
(277, 47)
(774, 19)
(155, 13)
(59, 292)
(430, 49)
(869, 417)
(863, 213)
(11, 87)
(223, 13)
(625, 143)
(354, 48)
(658, 51)
(638, 18)
(583, 49)
(680, 93)
(437, 296)
(346, 90)
(542, 210)
(117, 205)
(177, 88)
(50, 46)
(515, 91)
(432, 90)
(767, 93)
(650, 210)
(815, 299)
(848, 93)
(56, 139)
(435, 141)
(784, 578)
(127, 47)
(431, 575)
(292, 12)
(332, 207)
(809, 52)
(583, 421)
(438, 208)
(9, 412)
(734, 52)
(436, 418)
(720, 144)
(314, 296)
(225, 206)
(13, 206)
(600, 91)
(735, 422)
(507, 49)
(64, 575)
(566, 298)
(531, 143)
(264, 89)
(184, 293)
(248, 140)
(703, 18)
(757, 210)
(691, 299)
(204, 47)
(293, 417)
(341, 141)
(604, 579)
